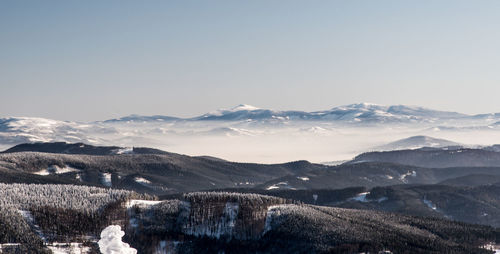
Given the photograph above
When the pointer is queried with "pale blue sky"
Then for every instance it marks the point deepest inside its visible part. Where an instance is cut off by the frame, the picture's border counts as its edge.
(94, 60)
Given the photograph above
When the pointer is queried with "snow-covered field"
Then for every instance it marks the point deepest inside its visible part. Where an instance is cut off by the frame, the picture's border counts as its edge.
(56, 170)
(68, 248)
(106, 179)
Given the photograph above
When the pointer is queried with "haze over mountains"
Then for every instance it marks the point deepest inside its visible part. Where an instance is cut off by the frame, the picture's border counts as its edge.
(251, 134)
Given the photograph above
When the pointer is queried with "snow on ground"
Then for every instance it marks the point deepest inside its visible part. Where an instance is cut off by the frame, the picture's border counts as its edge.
(141, 203)
(167, 247)
(8, 246)
(429, 204)
(162, 248)
(142, 180)
(54, 169)
(106, 179)
(43, 172)
(303, 178)
(361, 197)
(272, 211)
(68, 248)
(126, 150)
(280, 185)
(272, 187)
(315, 197)
(493, 247)
(228, 220)
(404, 176)
(31, 221)
(432, 206)
(111, 241)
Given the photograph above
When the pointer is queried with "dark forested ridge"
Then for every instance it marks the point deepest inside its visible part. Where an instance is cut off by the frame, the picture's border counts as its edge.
(79, 148)
(436, 157)
(152, 173)
(170, 173)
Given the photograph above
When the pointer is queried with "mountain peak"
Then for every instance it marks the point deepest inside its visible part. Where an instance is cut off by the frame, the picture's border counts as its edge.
(244, 107)
(364, 105)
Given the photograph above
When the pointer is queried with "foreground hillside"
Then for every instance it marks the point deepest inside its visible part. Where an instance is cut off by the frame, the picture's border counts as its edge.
(478, 204)
(250, 223)
(218, 222)
(35, 218)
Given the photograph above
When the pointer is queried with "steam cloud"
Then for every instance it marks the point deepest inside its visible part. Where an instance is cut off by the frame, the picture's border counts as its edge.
(111, 241)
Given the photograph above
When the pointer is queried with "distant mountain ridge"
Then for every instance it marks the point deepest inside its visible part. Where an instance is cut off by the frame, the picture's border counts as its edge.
(360, 112)
(355, 113)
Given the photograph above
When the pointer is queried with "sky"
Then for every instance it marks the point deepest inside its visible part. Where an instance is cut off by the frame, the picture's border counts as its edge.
(96, 60)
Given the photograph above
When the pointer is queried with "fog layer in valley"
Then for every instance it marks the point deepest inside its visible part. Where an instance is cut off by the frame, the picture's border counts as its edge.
(249, 134)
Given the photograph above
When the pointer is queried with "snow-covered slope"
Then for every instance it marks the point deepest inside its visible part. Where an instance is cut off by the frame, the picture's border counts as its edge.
(367, 112)
(355, 113)
(16, 130)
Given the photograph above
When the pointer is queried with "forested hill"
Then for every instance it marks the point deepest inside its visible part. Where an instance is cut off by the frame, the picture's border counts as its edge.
(80, 148)
(435, 157)
(217, 222)
(152, 173)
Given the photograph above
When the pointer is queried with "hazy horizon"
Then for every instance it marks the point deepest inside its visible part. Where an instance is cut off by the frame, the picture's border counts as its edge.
(208, 111)
(97, 60)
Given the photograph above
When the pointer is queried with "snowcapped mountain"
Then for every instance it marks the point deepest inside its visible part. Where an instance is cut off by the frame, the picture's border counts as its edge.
(248, 112)
(353, 113)
(15, 130)
(367, 112)
(139, 118)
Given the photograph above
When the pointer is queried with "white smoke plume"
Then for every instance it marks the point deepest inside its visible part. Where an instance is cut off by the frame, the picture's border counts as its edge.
(111, 241)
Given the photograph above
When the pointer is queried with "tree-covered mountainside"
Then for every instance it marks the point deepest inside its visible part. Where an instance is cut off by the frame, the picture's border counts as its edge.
(33, 215)
(479, 204)
(152, 173)
(212, 222)
(435, 157)
(171, 173)
(373, 174)
(79, 148)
